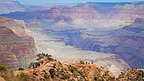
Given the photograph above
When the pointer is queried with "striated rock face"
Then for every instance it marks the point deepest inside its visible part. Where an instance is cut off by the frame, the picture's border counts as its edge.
(15, 44)
(70, 13)
(9, 60)
(17, 26)
(7, 6)
(59, 13)
(130, 12)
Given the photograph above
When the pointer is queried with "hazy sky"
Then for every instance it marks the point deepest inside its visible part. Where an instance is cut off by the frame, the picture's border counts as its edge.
(69, 1)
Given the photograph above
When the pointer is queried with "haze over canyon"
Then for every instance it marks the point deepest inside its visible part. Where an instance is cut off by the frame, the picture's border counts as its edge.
(108, 34)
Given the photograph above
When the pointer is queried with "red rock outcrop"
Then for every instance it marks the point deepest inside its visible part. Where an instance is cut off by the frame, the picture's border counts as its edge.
(15, 44)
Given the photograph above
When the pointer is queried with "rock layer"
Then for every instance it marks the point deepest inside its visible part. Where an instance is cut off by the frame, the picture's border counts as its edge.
(7, 6)
(14, 44)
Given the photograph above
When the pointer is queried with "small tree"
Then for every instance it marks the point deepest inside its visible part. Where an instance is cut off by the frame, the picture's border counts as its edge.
(82, 62)
(52, 73)
(40, 56)
(65, 76)
(23, 77)
(21, 69)
(46, 76)
(43, 55)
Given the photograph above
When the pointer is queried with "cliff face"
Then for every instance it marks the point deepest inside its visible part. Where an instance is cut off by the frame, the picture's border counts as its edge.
(9, 60)
(130, 12)
(15, 44)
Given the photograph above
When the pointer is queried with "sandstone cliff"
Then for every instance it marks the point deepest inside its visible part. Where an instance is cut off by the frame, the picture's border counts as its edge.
(16, 48)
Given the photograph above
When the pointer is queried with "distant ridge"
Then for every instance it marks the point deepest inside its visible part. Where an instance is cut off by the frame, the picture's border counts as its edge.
(139, 2)
(112, 2)
(7, 6)
(100, 5)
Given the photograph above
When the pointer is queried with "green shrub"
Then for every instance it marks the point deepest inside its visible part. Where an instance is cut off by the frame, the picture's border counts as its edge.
(52, 73)
(43, 55)
(72, 80)
(95, 78)
(54, 65)
(82, 62)
(72, 69)
(46, 76)
(21, 69)
(23, 76)
(142, 74)
(65, 76)
(2, 67)
(80, 80)
(81, 73)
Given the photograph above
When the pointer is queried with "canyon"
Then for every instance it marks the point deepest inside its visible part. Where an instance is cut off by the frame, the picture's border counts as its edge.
(90, 30)
(69, 54)
(118, 32)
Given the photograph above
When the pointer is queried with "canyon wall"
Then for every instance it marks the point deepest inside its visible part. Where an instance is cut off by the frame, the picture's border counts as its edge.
(16, 48)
